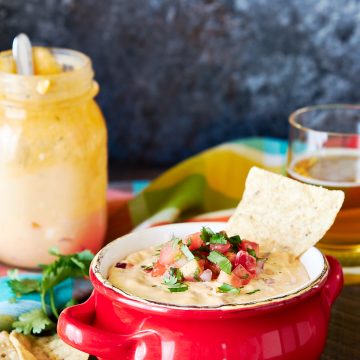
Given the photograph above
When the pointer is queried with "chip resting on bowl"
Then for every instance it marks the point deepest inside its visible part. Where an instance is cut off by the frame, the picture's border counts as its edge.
(282, 214)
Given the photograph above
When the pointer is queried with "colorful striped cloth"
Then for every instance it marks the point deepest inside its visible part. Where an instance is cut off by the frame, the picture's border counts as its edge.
(210, 181)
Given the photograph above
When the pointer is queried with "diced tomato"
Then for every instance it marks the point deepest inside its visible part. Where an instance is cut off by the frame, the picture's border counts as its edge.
(201, 263)
(193, 241)
(158, 269)
(169, 254)
(221, 248)
(242, 274)
(245, 245)
(232, 257)
(230, 279)
(236, 281)
(246, 260)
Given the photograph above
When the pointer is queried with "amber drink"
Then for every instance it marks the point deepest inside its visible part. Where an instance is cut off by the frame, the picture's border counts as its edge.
(324, 150)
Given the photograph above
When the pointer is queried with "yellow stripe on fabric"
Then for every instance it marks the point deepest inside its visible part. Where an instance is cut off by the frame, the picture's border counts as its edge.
(207, 162)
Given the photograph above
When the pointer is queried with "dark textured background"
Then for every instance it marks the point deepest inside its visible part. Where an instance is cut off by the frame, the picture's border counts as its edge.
(178, 76)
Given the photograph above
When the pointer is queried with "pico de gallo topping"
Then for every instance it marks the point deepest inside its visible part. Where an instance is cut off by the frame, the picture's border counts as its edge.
(208, 256)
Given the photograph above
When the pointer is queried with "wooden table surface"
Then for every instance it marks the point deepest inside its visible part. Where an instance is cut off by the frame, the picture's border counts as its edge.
(343, 341)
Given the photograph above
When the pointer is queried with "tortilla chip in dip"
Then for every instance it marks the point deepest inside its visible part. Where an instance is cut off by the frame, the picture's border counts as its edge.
(7, 349)
(282, 214)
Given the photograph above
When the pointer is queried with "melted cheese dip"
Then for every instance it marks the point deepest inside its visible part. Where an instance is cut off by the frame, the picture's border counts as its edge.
(281, 275)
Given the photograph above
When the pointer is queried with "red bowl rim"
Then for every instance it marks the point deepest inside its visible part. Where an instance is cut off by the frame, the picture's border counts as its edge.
(106, 288)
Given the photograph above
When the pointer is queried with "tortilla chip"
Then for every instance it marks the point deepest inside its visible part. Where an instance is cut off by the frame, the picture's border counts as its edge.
(22, 345)
(44, 348)
(282, 214)
(56, 349)
(7, 349)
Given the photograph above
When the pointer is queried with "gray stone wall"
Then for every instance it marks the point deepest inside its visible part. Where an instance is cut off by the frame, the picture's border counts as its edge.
(178, 76)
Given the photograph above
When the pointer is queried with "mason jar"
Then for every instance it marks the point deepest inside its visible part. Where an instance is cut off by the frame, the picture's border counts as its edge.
(53, 162)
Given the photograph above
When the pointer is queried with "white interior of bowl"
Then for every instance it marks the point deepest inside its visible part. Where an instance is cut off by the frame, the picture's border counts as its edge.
(312, 259)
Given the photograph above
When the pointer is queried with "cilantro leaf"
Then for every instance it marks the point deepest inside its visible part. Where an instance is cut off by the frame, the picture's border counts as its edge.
(196, 275)
(186, 251)
(174, 276)
(173, 281)
(170, 280)
(206, 234)
(33, 322)
(147, 267)
(235, 240)
(251, 252)
(75, 265)
(178, 287)
(65, 266)
(24, 286)
(218, 238)
(252, 292)
(220, 260)
(227, 288)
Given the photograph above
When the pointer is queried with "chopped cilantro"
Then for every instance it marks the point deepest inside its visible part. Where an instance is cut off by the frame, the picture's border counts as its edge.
(235, 240)
(147, 267)
(173, 277)
(227, 288)
(220, 260)
(206, 234)
(252, 252)
(196, 275)
(252, 292)
(187, 252)
(173, 281)
(218, 238)
(178, 287)
(209, 237)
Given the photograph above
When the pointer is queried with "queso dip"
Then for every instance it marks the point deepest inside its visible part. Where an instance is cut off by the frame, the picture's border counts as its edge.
(208, 269)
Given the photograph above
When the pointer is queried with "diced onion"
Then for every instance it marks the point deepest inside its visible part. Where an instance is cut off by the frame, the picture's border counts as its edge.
(206, 275)
(260, 266)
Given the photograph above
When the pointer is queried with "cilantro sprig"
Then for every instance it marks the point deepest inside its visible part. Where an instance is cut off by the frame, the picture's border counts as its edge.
(222, 261)
(65, 266)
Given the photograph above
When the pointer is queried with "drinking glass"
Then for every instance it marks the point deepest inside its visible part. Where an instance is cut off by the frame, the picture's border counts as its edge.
(324, 150)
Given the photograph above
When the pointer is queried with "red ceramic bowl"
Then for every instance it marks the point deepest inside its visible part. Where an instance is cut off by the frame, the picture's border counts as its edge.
(115, 325)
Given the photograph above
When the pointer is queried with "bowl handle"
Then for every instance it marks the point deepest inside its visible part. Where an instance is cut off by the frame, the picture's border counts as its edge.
(334, 282)
(74, 327)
